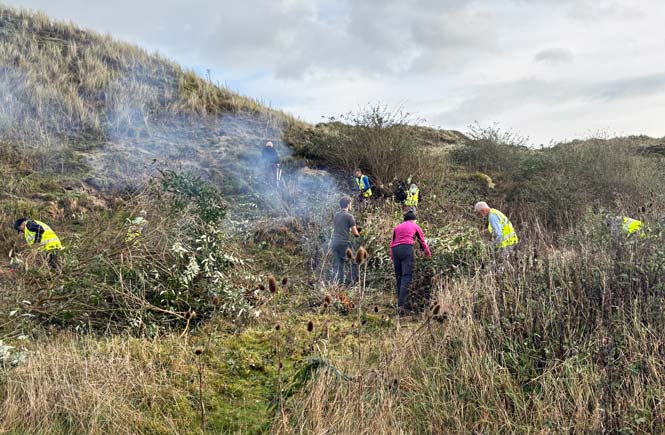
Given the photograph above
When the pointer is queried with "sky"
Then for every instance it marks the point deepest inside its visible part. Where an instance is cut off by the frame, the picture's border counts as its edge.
(551, 70)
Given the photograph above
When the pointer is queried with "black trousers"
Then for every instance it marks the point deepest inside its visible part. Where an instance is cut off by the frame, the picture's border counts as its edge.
(403, 261)
(340, 261)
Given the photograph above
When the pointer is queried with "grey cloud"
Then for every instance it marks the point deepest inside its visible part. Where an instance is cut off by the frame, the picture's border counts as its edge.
(297, 37)
(588, 10)
(490, 101)
(553, 55)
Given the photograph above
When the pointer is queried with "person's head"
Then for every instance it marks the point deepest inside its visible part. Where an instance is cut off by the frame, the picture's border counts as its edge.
(19, 225)
(269, 144)
(482, 208)
(410, 216)
(345, 203)
(358, 172)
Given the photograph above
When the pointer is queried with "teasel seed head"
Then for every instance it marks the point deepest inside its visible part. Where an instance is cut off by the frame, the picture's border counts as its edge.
(272, 284)
(310, 326)
(349, 253)
(361, 255)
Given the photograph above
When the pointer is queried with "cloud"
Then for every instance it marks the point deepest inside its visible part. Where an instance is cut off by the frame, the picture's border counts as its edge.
(587, 10)
(553, 56)
(492, 100)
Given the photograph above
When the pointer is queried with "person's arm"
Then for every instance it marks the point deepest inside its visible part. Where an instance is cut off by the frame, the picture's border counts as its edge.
(496, 228)
(423, 243)
(353, 227)
(366, 181)
(390, 250)
(37, 229)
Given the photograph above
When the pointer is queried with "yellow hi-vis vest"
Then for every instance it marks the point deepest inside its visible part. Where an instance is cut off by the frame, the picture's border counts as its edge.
(50, 240)
(360, 181)
(508, 234)
(135, 230)
(631, 226)
(412, 198)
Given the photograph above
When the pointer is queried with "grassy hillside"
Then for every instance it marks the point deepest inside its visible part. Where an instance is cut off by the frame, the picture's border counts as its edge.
(223, 319)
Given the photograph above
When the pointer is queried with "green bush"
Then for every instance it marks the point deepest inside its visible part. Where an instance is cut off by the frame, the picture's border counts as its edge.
(555, 185)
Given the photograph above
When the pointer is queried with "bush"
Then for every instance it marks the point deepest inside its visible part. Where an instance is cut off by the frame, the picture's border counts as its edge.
(377, 139)
(556, 185)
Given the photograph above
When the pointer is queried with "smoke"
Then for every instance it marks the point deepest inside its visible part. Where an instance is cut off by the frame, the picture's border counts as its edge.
(70, 98)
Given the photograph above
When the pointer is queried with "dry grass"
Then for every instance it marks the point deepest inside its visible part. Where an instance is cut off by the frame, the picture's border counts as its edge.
(566, 342)
(120, 386)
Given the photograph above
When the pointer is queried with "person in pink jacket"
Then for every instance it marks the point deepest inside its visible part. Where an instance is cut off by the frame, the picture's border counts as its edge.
(402, 254)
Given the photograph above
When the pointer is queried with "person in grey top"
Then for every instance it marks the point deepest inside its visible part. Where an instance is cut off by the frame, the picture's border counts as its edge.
(343, 222)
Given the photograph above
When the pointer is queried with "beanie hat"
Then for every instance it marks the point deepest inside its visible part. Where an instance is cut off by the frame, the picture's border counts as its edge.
(17, 224)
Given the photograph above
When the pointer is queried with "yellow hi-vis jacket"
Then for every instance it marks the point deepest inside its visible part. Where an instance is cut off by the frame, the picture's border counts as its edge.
(508, 234)
(631, 226)
(49, 240)
(412, 197)
(360, 181)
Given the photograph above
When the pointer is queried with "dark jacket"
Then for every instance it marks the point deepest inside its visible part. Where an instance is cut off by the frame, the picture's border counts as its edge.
(269, 156)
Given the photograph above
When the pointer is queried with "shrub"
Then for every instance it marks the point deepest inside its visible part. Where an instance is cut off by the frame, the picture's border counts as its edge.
(376, 138)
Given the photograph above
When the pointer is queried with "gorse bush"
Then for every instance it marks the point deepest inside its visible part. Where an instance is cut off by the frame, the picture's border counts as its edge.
(186, 188)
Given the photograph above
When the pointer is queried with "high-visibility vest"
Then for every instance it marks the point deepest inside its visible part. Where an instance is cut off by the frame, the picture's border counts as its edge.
(508, 234)
(631, 225)
(135, 230)
(49, 241)
(412, 198)
(360, 181)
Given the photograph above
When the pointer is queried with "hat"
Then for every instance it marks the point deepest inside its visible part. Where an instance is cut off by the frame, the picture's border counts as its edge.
(17, 224)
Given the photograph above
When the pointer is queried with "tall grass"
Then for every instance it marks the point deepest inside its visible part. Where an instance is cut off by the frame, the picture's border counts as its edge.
(565, 339)
(119, 386)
